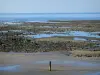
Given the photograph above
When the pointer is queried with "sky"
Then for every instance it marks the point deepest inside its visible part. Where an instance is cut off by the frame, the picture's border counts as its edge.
(49, 6)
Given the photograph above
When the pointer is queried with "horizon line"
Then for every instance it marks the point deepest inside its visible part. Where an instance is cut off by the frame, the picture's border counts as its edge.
(57, 13)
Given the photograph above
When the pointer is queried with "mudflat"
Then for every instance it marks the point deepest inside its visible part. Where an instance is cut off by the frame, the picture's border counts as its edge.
(38, 64)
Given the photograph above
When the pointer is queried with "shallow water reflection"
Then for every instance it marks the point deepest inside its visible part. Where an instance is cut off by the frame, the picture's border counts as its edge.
(9, 68)
(82, 39)
(67, 33)
(65, 62)
(54, 27)
(96, 73)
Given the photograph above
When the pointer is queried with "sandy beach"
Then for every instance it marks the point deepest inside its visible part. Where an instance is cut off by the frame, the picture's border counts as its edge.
(38, 64)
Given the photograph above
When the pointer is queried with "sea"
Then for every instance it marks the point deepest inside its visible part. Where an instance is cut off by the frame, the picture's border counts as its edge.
(44, 17)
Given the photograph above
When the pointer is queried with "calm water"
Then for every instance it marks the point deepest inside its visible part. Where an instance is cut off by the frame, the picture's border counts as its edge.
(77, 38)
(67, 33)
(48, 16)
(9, 68)
(67, 62)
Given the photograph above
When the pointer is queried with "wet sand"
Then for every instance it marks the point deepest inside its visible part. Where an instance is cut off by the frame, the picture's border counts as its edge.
(38, 64)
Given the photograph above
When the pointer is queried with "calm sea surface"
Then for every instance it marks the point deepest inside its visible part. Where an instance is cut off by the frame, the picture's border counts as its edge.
(10, 17)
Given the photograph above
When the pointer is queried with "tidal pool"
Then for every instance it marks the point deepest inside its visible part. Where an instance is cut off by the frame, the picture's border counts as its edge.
(82, 39)
(54, 27)
(46, 26)
(67, 33)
